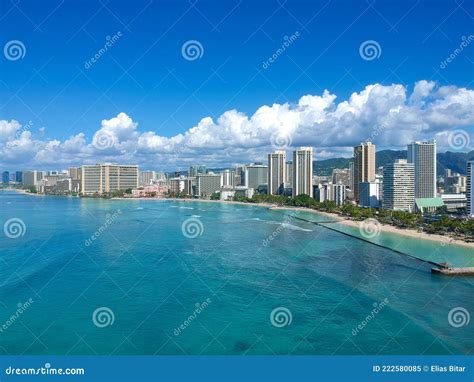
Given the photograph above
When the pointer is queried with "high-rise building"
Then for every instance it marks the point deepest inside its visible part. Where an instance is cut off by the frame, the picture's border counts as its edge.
(102, 178)
(399, 186)
(364, 166)
(5, 177)
(197, 170)
(341, 176)
(370, 194)
(339, 194)
(240, 175)
(74, 173)
(146, 178)
(276, 172)
(470, 189)
(289, 174)
(423, 156)
(18, 177)
(228, 179)
(256, 175)
(303, 171)
(207, 184)
(31, 178)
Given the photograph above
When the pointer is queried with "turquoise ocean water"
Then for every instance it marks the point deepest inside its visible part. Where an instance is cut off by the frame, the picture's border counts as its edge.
(156, 289)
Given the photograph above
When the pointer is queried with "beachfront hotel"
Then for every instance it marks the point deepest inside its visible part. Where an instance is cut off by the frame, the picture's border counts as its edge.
(276, 172)
(103, 178)
(207, 184)
(470, 189)
(399, 186)
(364, 166)
(423, 156)
(256, 175)
(303, 171)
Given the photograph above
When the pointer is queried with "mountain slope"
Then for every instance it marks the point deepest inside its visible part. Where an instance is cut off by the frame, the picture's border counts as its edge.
(455, 161)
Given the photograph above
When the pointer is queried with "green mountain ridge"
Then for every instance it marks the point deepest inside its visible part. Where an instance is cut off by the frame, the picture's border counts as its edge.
(456, 161)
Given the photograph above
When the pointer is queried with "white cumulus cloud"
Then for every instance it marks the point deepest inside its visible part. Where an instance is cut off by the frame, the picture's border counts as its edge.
(389, 115)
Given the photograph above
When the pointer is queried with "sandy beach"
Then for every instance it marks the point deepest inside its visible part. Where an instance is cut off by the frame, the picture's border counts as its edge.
(443, 240)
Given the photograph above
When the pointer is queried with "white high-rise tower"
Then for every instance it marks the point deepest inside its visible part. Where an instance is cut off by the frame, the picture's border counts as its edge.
(423, 157)
(303, 171)
(276, 172)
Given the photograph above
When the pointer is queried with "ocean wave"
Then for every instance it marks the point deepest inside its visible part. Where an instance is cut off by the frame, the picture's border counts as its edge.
(283, 224)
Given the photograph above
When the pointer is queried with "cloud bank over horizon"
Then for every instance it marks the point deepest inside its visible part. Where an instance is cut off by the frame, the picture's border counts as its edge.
(389, 115)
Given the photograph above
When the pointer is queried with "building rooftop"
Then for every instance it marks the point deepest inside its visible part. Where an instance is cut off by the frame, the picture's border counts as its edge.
(429, 202)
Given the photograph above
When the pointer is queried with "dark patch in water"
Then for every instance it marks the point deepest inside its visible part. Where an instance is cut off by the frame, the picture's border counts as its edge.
(241, 347)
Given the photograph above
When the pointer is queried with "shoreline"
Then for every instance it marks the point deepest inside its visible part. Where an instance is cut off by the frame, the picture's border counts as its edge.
(22, 191)
(443, 240)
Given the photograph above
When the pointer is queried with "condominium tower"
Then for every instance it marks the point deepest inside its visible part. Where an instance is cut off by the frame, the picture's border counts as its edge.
(470, 189)
(423, 157)
(256, 175)
(364, 166)
(399, 186)
(276, 172)
(103, 178)
(303, 171)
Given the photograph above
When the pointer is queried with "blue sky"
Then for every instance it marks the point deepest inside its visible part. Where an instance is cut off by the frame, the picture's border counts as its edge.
(145, 76)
